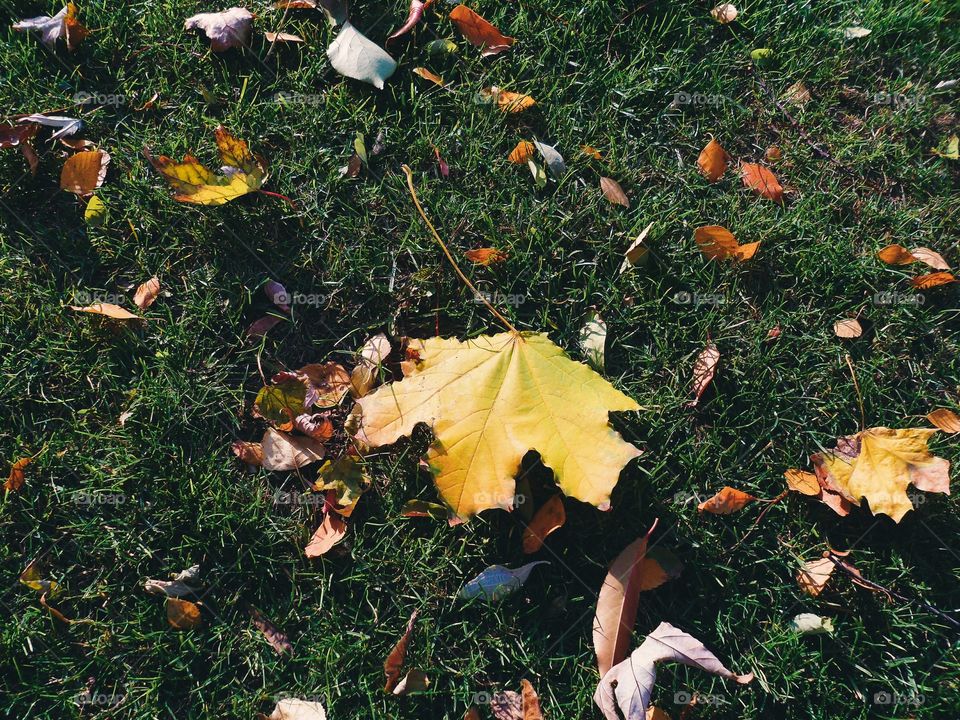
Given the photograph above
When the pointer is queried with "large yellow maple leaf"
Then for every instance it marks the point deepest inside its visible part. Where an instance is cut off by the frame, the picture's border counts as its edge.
(492, 399)
(244, 173)
(880, 463)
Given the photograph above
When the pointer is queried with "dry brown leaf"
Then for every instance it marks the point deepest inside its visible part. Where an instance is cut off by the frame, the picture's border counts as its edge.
(393, 665)
(930, 258)
(479, 32)
(923, 282)
(617, 604)
(414, 681)
(713, 161)
(727, 501)
(522, 152)
(773, 153)
(182, 614)
(278, 640)
(250, 453)
(485, 256)
(724, 13)
(331, 531)
(330, 380)
(798, 94)
(530, 702)
(813, 576)
(84, 172)
(289, 452)
(802, 482)
(946, 420)
(507, 705)
(259, 328)
(703, 371)
(718, 243)
(761, 181)
(896, 255)
(107, 310)
(549, 517)
(613, 192)
(283, 37)
(847, 328)
(471, 714)
(53, 611)
(147, 293)
(17, 477)
(427, 75)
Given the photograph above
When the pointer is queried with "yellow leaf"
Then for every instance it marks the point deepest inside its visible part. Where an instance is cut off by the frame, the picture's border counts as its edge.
(194, 183)
(489, 401)
(802, 481)
(713, 161)
(879, 463)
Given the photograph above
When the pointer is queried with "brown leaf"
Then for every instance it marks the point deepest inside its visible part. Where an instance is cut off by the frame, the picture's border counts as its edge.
(613, 192)
(724, 13)
(946, 420)
(718, 243)
(761, 181)
(414, 16)
(896, 255)
(522, 152)
(250, 453)
(485, 256)
(147, 293)
(930, 258)
(530, 701)
(713, 161)
(259, 328)
(331, 531)
(107, 310)
(53, 611)
(20, 136)
(507, 705)
(283, 37)
(727, 501)
(414, 681)
(330, 380)
(703, 371)
(814, 575)
(550, 517)
(802, 482)
(617, 604)
(847, 328)
(479, 32)
(84, 172)
(17, 476)
(278, 641)
(289, 452)
(923, 282)
(773, 154)
(797, 94)
(182, 614)
(393, 665)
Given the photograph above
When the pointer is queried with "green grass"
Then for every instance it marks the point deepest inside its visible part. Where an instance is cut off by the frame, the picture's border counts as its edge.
(189, 376)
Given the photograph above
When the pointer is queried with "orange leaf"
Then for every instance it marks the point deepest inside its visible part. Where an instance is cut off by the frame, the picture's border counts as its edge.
(250, 453)
(521, 153)
(703, 371)
(944, 419)
(936, 279)
(591, 151)
(613, 192)
(896, 255)
(393, 665)
(107, 309)
(182, 614)
(727, 501)
(713, 161)
(427, 75)
(802, 481)
(485, 256)
(331, 531)
(530, 702)
(479, 32)
(147, 293)
(847, 328)
(508, 102)
(761, 181)
(718, 243)
(551, 516)
(617, 604)
(84, 172)
(16, 478)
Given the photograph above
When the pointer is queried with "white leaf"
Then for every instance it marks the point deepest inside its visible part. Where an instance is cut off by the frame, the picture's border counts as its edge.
(354, 56)
(288, 452)
(810, 624)
(51, 29)
(227, 29)
(296, 709)
(593, 339)
(552, 158)
(497, 581)
(66, 125)
(854, 32)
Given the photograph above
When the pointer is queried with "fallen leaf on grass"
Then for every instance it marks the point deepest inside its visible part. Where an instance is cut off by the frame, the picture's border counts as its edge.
(84, 172)
(802, 482)
(497, 581)
(593, 339)
(521, 153)
(354, 56)
(283, 400)
(944, 419)
(930, 258)
(427, 75)
(814, 575)
(637, 252)
(761, 181)
(924, 282)
(797, 94)
(346, 477)
(703, 371)
(658, 566)
(847, 328)
(591, 151)
(773, 153)
(17, 475)
(147, 293)
(549, 517)
(485, 256)
(507, 705)
(414, 16)
(259, 328)
(250, 453)
(414, 681)
(896, 255)
(283, 37)
(185, 583)
(617, 604)
(278, 640)
(228, 29)
(530, 701)
(718, 243)
(194, 183)
(713, 161)
(613, 192)
(565, 405)
(393, 665)
(20, 136)
(296, 709)
(727, 501)
(627, 686)
(552, 158)
(329, 381)
(64, 125)
(479, 32)
(878, 464)
(724, 13)
(950, 149)
(107, 310)
(182, 614)
(62, 25)
(855, 31)
(508, 102)
(289, 452)
(810, 624)
(331, 531)
(33, 579)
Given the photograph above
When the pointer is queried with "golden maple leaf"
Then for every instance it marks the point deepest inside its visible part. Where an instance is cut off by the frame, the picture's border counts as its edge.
(879, 463)
(490, 400)
(194, 183)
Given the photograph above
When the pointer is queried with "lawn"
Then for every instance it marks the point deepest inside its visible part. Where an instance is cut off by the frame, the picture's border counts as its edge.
(107, 506)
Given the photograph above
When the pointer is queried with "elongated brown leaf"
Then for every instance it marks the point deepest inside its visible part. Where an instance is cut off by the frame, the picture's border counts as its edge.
(613, 192)
(530, 701)
(703, 371)
(414, 16)
(278, 640)
(17, 476)
(393, 665)
(943, 418)
(924, 282)
(727, 501)
(761, 181)
(617, 604)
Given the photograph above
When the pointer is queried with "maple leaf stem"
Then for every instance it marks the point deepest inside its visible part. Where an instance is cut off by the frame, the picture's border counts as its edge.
(278, 195)
(446, 251)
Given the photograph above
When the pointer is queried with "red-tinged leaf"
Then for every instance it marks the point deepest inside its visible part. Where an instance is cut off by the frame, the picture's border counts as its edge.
(761, 181)
(727, 501)
(613, 192)
(550, 517)
(441, 163)
(393, 665)
(261, 327)
(278, 640)
(522, 152)
(20, 136)
(414, 16)
(331, 531)
(479, 32)
(703, 371)
(485, 256)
